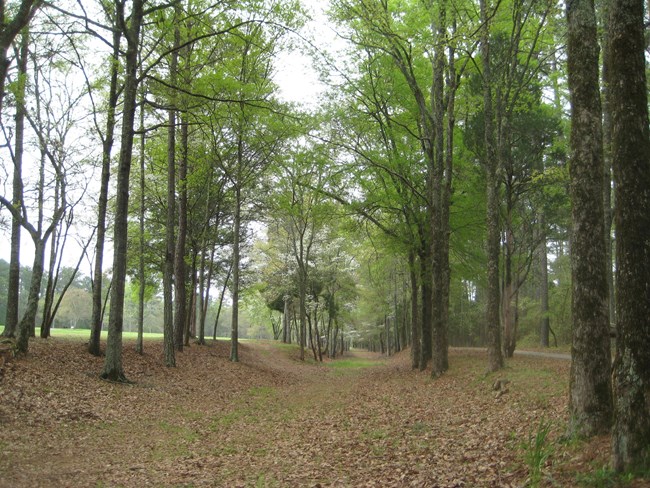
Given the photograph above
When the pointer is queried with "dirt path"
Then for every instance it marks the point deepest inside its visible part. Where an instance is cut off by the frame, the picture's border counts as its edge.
(269, 420)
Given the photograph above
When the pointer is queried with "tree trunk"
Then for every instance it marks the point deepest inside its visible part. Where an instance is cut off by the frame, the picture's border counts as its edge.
(415, 313)
(48, 319)
(607, 159)
(113, 370)
(190, 313)
(590, 403)
(180, 268)
(180, 277)
(142, 278)
(447, 176)
(334, 346)
(205, 281)
(223, 292)
(234, 326)
(631, 157)
(509, 332)
(545, 326)
(52, 278)
(13, 286)
(28, 321)
(171, 340)
(439, 356)
(204, 294)
(492, 317)
(317, 333)
(426, 303)
(102, 206)
(286, 324)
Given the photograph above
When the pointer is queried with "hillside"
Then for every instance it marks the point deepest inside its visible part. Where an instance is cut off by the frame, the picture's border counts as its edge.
(271, 420)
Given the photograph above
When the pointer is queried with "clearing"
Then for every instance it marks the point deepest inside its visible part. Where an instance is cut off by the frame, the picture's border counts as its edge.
(272, 420)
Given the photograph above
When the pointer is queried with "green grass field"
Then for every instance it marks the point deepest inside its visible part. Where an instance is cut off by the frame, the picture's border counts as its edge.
(85, 334)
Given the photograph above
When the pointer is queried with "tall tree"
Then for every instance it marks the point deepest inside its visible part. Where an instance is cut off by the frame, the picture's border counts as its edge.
(590, 397)
(11, 320)
(424, 87)
(108, 139)
(631, 164)
(130, 24)
(492, 316)
(142, 274)
(172, 335)
(51, 127)
(256, 138)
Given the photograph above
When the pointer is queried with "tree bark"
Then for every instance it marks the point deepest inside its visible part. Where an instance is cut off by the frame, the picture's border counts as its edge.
(221, 296)
(102, 206)
(234, 325)
(142, 278)
(48, 299)
(13, 286)
(492, 316)
(180, 268)
(171, 338)
(28, 321)
(508, 311)
(286, 324)
(174, 171)
(439, 354)
(631, 157)
(113, 369)
(426, 303)
(607, 158)
(190, 309)
(415, 313)
(545, 325)
(590, 403)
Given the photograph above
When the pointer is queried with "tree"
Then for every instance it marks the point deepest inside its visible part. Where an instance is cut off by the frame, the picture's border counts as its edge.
(172, 338)
(11, 321)
(10, 27)
(255, 138)
(130, 26)
(492, 316)
(631, 164)
(299, 210)
(590, 398)
(51, 118)
(108, 139)
(416, 40)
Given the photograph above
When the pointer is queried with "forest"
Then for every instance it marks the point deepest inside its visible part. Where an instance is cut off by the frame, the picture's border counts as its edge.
(460, 173)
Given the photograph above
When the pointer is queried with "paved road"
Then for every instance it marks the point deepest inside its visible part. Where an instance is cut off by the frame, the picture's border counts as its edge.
(554, 355)
(539, 354)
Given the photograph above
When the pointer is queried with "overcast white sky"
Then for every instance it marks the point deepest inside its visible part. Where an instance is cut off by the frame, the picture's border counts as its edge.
(295, 74)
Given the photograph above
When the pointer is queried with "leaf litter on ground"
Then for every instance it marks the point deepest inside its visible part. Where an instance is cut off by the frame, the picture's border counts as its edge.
(273, 421)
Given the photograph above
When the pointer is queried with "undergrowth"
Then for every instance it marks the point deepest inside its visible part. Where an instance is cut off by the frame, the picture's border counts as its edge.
(537, 452)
